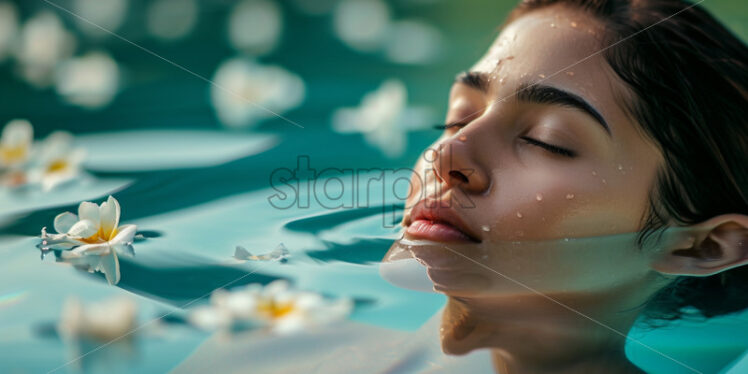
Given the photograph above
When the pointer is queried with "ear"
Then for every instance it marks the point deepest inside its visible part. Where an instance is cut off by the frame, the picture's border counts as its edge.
(716, 245)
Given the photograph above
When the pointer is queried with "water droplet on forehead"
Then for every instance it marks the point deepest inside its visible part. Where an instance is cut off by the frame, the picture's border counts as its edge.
(485, 228)
(620, 167)
(541, 75)
(569, 196)
(539, 197)
(553, 25)
(519, 215)
(573, 24)
(594, 173)
(570, 73)
(604, 181)
(502, 80)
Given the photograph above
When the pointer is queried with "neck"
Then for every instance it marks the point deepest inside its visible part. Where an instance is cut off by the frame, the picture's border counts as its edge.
(534, 335)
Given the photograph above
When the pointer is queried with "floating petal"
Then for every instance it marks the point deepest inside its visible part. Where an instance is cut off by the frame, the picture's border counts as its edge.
(109, 213)
(83, 229)
(64, 222)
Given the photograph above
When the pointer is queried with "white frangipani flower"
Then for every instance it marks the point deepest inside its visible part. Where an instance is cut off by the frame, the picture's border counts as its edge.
(361, 24)
(246, 92)
(44, 42)
(171, 19)
(15, 143)
(102, 321)
(57, 161)
(255, 26)
(383, 117)
(8, 28)
(90, 81)
(92, 239)
(275, 306)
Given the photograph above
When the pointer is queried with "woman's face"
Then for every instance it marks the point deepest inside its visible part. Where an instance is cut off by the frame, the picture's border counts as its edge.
(542, 146)
(493, 166)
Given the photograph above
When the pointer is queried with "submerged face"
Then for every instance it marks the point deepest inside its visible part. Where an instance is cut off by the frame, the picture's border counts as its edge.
(539, 146)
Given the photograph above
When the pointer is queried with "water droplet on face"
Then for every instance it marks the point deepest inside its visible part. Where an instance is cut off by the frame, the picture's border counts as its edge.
(519, 215)
(541, 75)
(462, 138)
(604, 181)
(502, 80)
(573, 24)
(566, 239)
(620, 167)
(569, 196)
(523, 75)
(485, 228)
(594, 173)
(539, 197)
(553, 25)
(570, 73)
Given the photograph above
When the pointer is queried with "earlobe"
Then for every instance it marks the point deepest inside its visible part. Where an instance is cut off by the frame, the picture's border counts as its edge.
(718, 244)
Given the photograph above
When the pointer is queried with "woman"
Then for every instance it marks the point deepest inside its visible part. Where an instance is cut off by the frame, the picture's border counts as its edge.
(587, 118)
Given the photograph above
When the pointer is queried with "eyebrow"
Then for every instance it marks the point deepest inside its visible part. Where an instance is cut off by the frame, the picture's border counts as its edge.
(538, 93)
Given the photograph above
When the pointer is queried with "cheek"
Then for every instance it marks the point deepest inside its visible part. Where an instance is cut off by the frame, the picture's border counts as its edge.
(557, 203)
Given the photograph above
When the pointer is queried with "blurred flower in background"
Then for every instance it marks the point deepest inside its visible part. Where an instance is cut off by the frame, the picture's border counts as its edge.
(90, 81)
(255, 26)
(362, 24)
(276, 307)
(384, 118)
(246, 92)
(170, 20)
(367, 26)
(98, 18)
(15, 144)
(57, 162)
(47, 164)
(43, 43)
(101, 321)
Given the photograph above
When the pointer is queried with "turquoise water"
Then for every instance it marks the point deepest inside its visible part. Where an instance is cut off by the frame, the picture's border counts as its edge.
(196, 191)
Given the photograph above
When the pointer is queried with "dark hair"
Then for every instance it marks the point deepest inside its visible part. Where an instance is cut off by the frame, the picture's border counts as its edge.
(689, 76)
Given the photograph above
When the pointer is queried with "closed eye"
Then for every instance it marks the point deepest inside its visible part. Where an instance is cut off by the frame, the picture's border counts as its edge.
(550, 147)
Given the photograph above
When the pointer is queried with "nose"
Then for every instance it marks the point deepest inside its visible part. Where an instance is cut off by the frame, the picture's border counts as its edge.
(457, 165)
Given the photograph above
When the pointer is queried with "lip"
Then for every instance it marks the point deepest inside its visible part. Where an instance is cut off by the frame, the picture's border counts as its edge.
(436, 220)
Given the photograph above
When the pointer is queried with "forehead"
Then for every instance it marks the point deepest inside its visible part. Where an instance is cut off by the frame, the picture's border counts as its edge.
(548, 39)
(562, 47)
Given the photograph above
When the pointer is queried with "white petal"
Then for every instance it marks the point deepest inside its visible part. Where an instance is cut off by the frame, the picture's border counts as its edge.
(109, 265)
(87, 250)
(89, 211)
(64, 221)
(109, 217)
(17, 133)
(209, 318)
(83, 229)
(125, 235)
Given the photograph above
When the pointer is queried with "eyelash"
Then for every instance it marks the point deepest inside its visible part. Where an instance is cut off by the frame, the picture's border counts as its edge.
(548, 147)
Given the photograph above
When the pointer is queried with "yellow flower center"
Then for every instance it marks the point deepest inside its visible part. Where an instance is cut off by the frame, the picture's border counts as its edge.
(100, 236)
(10, 155)
(273, 309)
(57, 166)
